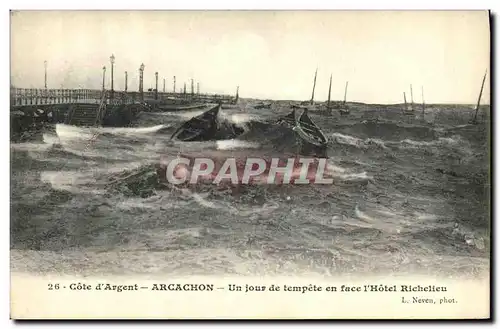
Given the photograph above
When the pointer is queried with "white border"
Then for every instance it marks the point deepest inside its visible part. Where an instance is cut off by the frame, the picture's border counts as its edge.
(193, 4)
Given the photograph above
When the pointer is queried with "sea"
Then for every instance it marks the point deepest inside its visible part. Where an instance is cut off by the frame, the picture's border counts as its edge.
(410, 195)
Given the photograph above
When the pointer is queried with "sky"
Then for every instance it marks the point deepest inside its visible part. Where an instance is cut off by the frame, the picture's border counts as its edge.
(268, 54)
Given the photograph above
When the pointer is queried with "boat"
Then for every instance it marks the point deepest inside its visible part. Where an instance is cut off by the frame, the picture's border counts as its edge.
(314, 86)
(262, 105)
(474, 120)
(288, 120)
(344, 111)
(300, 106)
(201, 127)
(423, 104)
(328, 105)
(343, 108)
(407, 109)
(235, 101)
(309, 131)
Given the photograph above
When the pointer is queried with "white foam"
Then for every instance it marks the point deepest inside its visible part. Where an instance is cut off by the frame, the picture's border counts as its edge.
(231, 144)
(356, 177)
(361, 215)
(63, 180)
(239, 118)
(132, 131)
(30, 147)
(346, 139)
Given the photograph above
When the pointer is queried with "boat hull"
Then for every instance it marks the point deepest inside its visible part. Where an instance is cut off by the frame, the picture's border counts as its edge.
(308, 138)
(288, 120)
(200, 128)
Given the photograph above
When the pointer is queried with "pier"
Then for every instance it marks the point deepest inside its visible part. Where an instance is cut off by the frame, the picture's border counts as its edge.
(22, 97)
(32, 108)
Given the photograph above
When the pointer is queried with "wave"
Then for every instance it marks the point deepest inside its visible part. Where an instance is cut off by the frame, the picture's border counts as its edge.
(232, 144)
(388, 131)
(441, 141)
(75, 132)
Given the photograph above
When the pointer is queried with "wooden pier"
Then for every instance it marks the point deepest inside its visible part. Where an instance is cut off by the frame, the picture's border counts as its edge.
(21, 97)
(32, 108)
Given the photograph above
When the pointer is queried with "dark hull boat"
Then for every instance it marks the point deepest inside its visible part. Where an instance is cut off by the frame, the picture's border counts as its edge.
(200, 128)
(309, 132)
(408, 109)
(299, 107)
(262, 106)
(344, 110)
(313, 141)
(288, 120)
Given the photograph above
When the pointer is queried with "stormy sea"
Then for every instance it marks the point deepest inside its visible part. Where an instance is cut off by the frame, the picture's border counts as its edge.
(411, 195)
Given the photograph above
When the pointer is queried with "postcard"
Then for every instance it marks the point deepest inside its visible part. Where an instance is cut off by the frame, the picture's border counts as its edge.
(250, 164)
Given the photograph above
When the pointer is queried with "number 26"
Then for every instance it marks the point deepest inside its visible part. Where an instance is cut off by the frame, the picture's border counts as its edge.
(53, 286)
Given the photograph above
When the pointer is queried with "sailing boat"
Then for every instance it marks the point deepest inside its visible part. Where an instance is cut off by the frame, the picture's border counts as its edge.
(411, 94)
(310, 103)
(314, 86)
(237, 95)
(407, 108)
(329, 94)
(344, 110)
(474, 120)
(423, 104)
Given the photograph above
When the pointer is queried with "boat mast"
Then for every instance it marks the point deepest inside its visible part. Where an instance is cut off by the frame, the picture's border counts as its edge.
(345, 91)
(479, 98)
(423, 103)
(411, 92)
(329, 92)
(314, 86)
(404, 96)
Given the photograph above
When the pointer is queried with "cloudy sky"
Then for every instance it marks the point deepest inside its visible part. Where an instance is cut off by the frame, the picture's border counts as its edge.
(268, 54)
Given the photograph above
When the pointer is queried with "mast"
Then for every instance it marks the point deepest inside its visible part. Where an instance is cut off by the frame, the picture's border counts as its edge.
(479, 98)
(329, 92)
(423, 103)
(411, 92)
(404, 96)
(314, 86)
(237, 94)
(345, 91)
